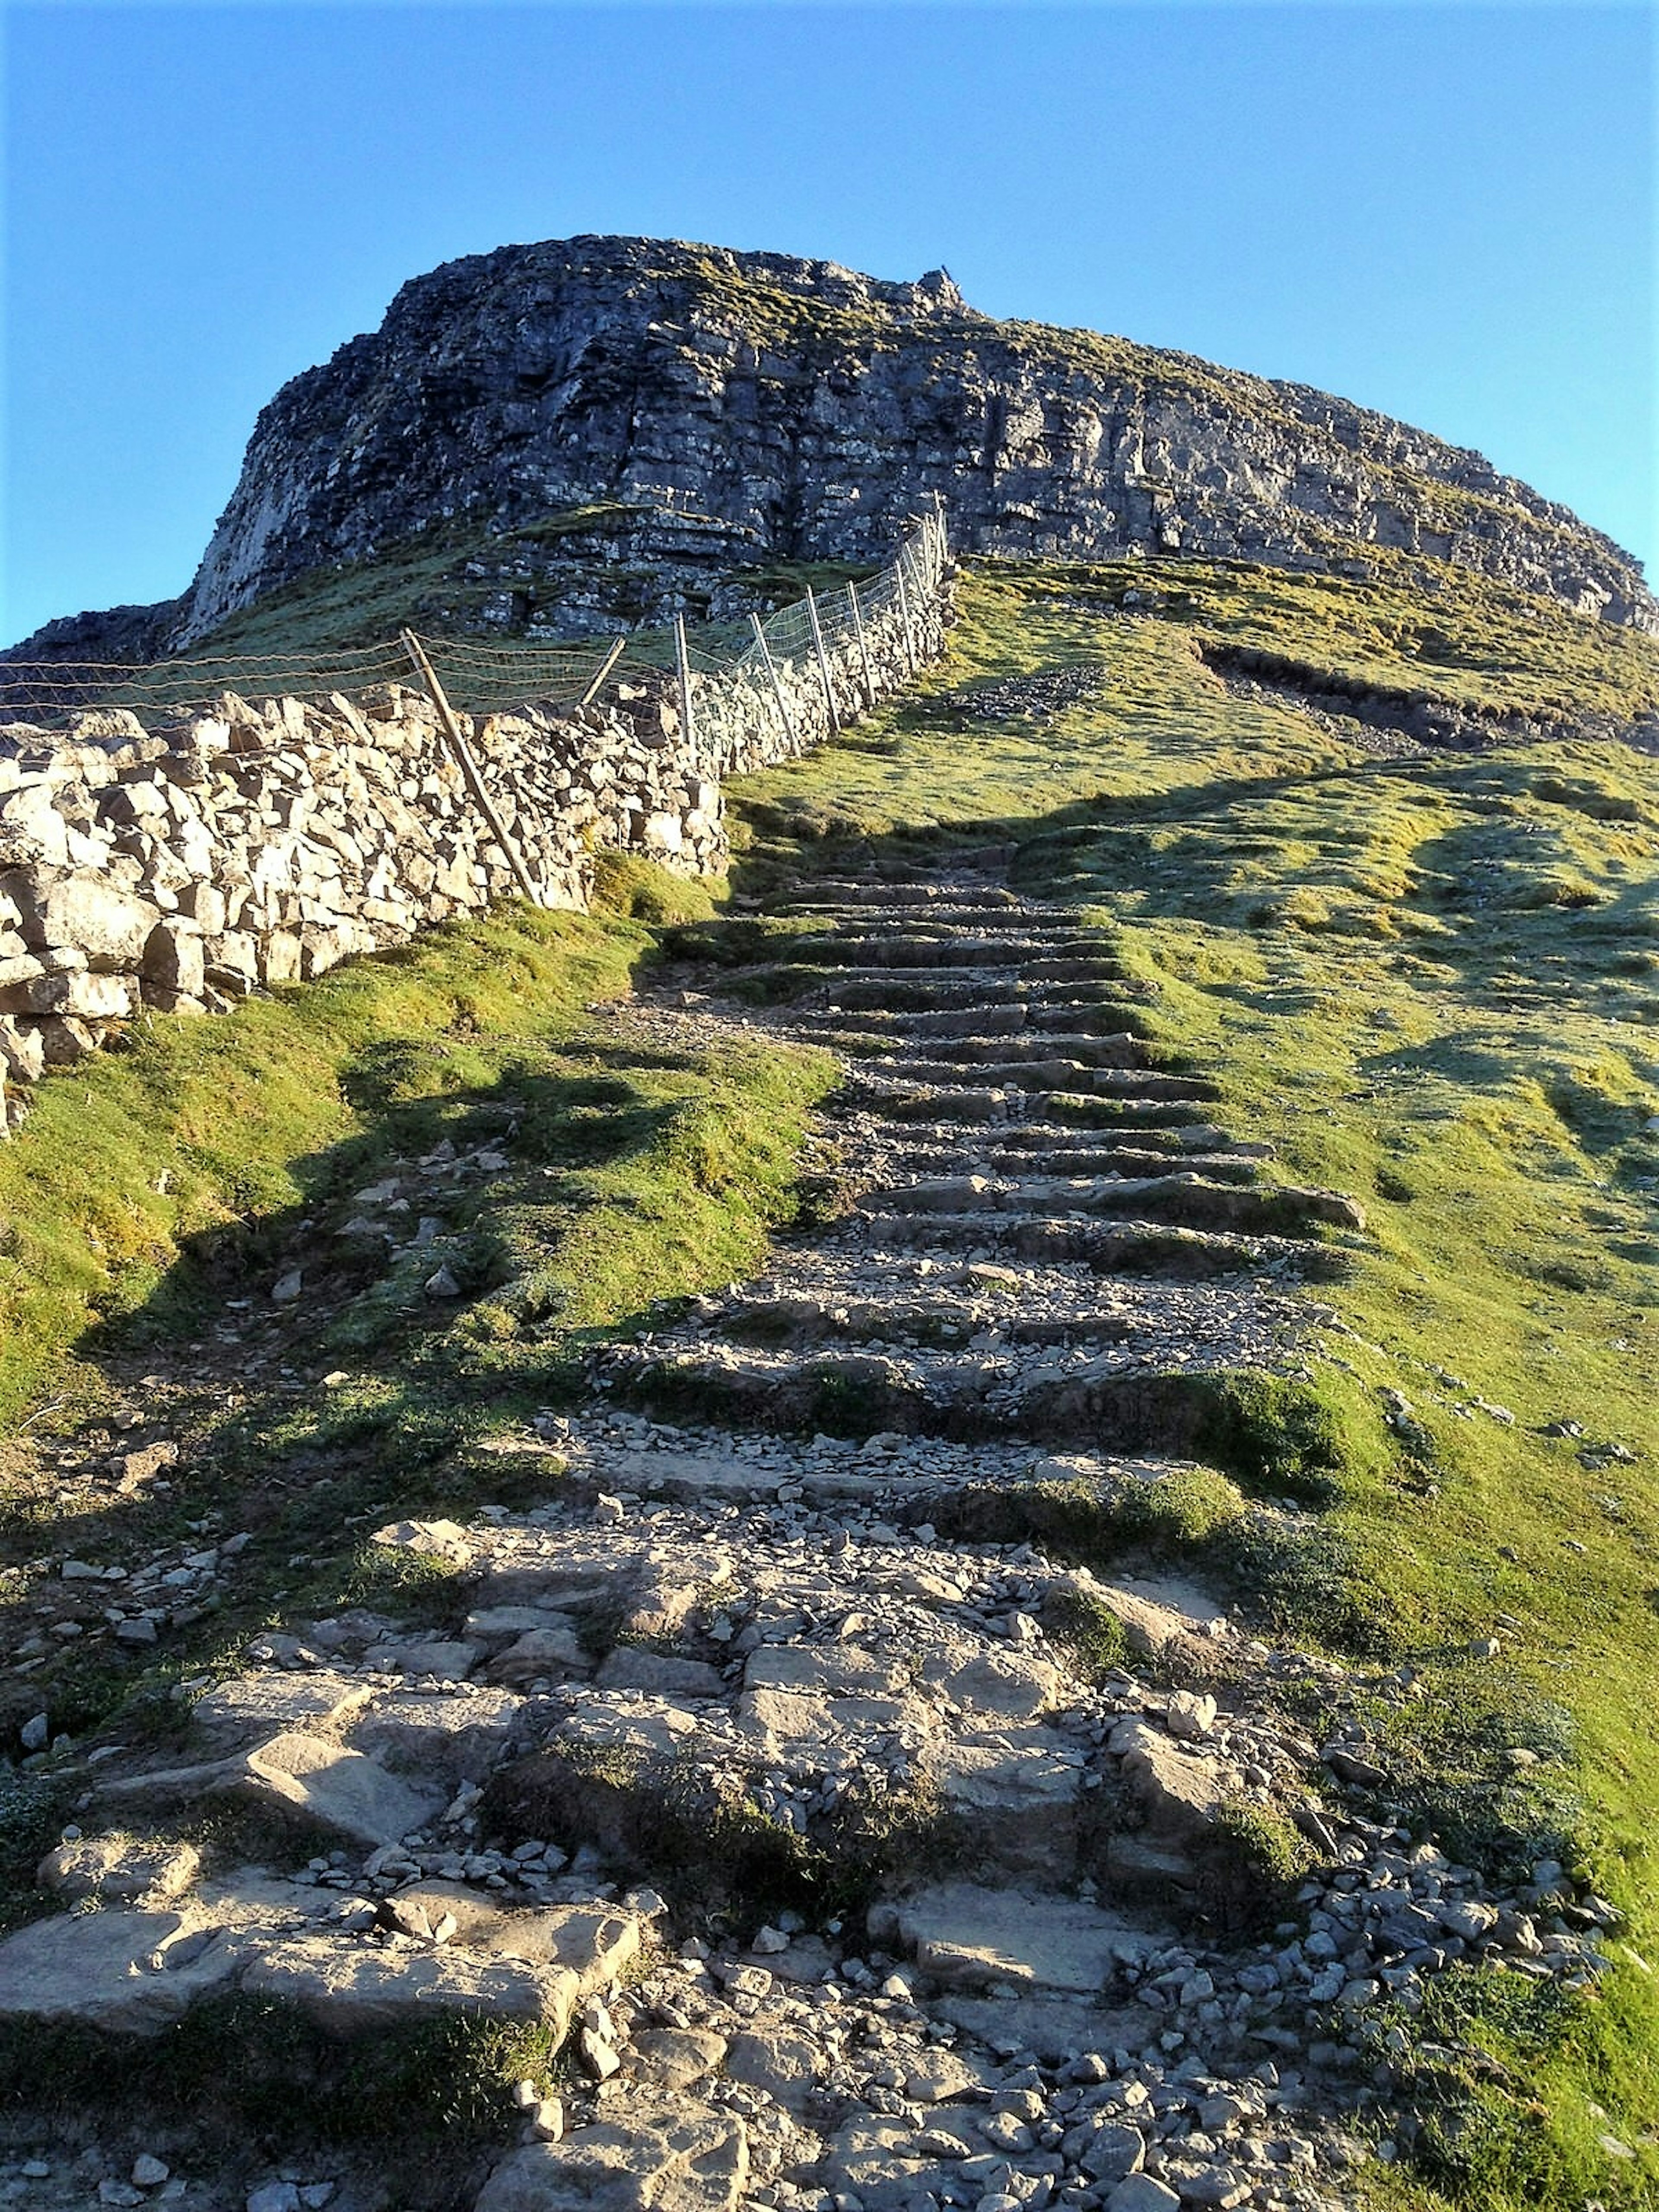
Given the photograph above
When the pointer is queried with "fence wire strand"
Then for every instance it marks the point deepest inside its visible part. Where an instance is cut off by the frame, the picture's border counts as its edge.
(480, 675)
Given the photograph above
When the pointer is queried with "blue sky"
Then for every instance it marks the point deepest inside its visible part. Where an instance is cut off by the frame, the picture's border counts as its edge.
(1446, 212)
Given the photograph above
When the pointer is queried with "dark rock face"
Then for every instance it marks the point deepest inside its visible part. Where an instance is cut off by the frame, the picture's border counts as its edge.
(742, 408)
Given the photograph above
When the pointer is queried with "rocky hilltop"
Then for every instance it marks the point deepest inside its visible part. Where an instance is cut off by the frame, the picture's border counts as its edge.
(590, 428)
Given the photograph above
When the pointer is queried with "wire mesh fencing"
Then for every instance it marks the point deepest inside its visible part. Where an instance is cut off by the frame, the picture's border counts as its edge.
(479, 675)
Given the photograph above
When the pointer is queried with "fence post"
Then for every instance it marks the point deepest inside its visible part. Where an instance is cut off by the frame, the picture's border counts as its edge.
(904, 612)
(603, 671)
(683, 661)
(864, 649)
(823, 660)
(468, 766)
(777, 688)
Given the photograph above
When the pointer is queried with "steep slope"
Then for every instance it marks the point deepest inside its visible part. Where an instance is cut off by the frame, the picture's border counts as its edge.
(1131, 982)
(597, 426)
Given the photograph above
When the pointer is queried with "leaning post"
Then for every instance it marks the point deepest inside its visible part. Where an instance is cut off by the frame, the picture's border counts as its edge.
(597, 684)
(864, 647)
(683, 662)
(770, 666)
(823, 660)
(468, 766)
(904, 612)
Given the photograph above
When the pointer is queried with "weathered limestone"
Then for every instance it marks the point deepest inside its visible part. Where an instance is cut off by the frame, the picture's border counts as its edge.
(660, 2159)
(683, 412)
(969, 1937)
(257, 845)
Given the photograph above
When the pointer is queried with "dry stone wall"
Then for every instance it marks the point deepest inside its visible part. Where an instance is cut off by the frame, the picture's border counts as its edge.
(177, 869)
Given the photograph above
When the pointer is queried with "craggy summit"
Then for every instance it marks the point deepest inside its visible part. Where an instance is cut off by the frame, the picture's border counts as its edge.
(595, 425)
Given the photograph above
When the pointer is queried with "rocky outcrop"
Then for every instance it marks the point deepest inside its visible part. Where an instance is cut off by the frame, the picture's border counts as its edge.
(600, 426)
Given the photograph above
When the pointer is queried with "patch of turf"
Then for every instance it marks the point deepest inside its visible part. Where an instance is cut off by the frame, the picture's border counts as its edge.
(1430, 979)
(152, 1201)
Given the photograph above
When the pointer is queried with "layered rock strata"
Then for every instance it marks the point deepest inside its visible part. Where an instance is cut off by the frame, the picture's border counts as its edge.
(593, 425)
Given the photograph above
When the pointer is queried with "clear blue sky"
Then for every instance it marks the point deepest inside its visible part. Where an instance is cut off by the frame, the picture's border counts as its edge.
(1446, 212)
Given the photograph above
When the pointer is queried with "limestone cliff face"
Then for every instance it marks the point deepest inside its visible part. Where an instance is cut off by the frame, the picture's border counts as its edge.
(722, 410)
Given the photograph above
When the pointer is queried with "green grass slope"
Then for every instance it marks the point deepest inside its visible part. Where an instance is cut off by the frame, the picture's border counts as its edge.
(1433, 981)
(1430, 978)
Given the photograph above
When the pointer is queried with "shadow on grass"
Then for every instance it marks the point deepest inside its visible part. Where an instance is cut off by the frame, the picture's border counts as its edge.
(378, 1347)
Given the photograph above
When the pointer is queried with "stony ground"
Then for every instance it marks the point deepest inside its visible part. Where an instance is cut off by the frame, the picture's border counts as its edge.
(857, 1851)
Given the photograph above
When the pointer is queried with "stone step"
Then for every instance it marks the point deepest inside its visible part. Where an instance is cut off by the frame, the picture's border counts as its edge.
(806, 1318)
(1022, 1017)
(831, 891)
(1047, 956)
(1038, 1141)
(1109, 1402)
(1055, 1048)
(1064, 1156)
(899, 992)
(943, 1105)
(1066, 1076)
(1186, 1197)
(970, 1936)
(1131, 1247)
(942, 913)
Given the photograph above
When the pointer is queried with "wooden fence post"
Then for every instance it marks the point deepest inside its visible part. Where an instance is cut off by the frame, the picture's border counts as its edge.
(777, 688)
(823, 660)
(603, 671)
(682, 660)
(864, 649)
(468, 766)
(904, 612)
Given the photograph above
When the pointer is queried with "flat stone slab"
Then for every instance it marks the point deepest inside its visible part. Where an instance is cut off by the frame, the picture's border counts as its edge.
(787, 2065)
(111, 1970)
(629, 1667)
(1179, 1792)
(1022, 1799)
(969, 1936)
(823, 1670)
(670, 2058)
(120, 1868)
(303, 1774)
(555, 1654)
(696, 1475)
(663, 2157)
(275, 1699)
(1006, 1684)
(629, 1720)
(448, 1659)
(1056, 2028)
(874, 2161)
(499, 1625)
(596, 1943)
(340, 1789)
(352, 1987)
(430, 1540)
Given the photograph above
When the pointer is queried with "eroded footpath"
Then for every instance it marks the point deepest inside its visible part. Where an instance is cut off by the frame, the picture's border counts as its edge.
(847, 1846)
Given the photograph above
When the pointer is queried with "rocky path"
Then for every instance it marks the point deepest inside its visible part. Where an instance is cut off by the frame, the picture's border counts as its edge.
(862, 1855)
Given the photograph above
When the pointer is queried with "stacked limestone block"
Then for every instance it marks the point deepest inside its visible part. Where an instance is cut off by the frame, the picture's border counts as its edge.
(176, 870)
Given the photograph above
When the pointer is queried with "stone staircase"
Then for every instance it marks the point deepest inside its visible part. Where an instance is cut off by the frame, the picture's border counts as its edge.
(862, 1866)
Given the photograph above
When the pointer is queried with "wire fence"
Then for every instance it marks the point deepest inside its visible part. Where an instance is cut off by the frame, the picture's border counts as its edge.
(479, 675)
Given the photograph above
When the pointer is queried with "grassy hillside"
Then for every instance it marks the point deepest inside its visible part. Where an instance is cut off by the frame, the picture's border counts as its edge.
(1430, 978)
(1433, 981)
(155, 1199)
